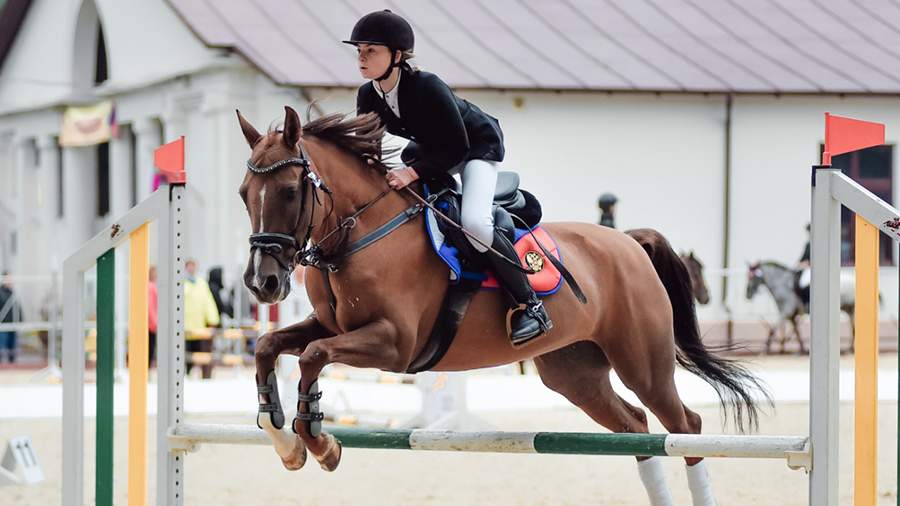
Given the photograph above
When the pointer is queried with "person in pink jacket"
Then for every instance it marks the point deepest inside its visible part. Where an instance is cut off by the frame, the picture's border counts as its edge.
(153, 306)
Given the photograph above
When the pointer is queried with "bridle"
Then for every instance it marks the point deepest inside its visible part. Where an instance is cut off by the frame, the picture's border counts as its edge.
(274, 244)
(306, 252)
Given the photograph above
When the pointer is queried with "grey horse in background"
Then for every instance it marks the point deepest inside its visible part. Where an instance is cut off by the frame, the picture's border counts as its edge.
(781, 283)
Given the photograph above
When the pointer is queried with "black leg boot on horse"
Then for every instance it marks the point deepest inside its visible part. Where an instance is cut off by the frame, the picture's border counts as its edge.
(531, 320)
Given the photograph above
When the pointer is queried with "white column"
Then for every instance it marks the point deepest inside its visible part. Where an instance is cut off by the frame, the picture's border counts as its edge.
(7, 212)
(24, 157)
(79, 196)
(223, 168)
(51, 257)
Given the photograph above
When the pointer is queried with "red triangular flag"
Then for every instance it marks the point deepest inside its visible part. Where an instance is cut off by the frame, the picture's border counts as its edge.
(843, 135)
(169, 158)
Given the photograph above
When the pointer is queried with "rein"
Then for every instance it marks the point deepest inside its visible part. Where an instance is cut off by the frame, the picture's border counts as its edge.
(307, 253)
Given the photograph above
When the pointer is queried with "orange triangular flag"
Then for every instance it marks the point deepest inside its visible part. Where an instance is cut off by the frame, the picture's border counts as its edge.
(843, 135)
(169, 158)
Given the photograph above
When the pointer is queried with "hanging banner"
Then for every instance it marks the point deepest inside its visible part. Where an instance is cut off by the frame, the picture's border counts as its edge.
(88, 125)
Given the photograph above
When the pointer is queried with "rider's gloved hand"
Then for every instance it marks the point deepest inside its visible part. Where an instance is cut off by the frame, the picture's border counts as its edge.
(399, 178)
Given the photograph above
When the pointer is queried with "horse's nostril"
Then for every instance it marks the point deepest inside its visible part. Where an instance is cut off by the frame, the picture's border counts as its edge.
(271, 284)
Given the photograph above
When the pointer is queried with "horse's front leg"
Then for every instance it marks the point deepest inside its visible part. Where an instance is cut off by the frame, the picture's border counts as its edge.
(769, 337)
(270, 418)
(782, 327)
(376, 344)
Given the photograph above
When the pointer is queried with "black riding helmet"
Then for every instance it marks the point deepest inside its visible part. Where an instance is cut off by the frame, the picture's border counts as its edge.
(383, 28)
(606, 201)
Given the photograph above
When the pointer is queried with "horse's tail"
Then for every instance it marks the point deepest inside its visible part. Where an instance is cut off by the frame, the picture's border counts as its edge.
(732, 381)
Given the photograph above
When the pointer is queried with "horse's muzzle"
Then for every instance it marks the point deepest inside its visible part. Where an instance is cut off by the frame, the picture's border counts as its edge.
(267, 281)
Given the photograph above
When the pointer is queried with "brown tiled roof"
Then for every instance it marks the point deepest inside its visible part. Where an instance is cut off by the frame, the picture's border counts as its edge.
(744, 46)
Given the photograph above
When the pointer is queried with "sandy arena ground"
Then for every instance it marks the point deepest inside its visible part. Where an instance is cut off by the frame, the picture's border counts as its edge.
(236, 475)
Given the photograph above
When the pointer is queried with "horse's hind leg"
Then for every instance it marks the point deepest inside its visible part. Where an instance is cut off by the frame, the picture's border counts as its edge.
(661, 397)
(796, 327)
(580, 372)
(650, 375)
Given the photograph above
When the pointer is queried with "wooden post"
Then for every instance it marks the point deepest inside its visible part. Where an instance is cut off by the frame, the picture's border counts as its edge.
(865, 480)
(138, 364)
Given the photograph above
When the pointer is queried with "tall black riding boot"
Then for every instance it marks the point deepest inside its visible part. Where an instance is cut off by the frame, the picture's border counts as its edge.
(527, 323)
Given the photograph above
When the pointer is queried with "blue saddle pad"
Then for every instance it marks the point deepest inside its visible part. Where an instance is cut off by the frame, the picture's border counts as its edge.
(449, 254)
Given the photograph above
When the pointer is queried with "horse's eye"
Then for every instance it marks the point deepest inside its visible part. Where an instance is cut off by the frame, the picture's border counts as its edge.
(291, 194)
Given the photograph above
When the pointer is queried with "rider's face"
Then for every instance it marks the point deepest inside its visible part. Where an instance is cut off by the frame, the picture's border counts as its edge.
(373, 60)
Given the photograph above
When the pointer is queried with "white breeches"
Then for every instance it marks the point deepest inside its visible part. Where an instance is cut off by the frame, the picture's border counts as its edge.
(479, 180)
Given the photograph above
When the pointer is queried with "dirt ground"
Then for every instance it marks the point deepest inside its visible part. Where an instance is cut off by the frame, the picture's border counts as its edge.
(243, 475)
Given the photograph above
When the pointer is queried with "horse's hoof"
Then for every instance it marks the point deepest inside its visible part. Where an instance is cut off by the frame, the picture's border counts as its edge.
(329, 460)
(297, 458)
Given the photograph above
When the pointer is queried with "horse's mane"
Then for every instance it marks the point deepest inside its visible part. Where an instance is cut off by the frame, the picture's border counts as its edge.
(360, 135)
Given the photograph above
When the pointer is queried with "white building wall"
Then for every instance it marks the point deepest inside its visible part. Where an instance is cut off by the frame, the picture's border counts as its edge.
(776, 142)
(662, 155)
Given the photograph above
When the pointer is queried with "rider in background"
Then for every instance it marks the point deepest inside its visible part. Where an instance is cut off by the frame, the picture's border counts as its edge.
(607, 205)
(803, 278)
(447, 135)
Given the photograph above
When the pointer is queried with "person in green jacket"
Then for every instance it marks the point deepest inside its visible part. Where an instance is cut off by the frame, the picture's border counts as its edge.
(200, 314)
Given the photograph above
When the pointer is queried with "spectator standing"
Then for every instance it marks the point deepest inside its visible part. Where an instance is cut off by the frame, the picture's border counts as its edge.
(10, 312)
(200, 314)
(152, 314)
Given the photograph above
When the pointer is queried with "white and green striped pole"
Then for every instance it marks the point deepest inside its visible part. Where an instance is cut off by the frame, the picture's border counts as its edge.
(794, 449)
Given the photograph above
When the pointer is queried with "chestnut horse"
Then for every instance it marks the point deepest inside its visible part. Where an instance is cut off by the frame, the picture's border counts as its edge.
(301, 185)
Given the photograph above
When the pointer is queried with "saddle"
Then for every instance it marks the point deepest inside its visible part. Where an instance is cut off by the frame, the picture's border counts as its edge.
(468, 271)
(453, 246)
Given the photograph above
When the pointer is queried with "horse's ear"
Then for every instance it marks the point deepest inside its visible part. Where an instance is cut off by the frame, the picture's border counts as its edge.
(250, 133)
(292, 127)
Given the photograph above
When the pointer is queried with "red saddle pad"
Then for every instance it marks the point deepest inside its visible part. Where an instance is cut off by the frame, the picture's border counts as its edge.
(547, 279)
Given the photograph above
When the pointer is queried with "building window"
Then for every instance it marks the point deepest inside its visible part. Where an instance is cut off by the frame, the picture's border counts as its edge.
(101, 73)
(872, 168)
(103, 179)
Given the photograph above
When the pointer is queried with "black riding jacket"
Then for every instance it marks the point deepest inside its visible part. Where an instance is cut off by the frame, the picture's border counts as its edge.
(443, 129)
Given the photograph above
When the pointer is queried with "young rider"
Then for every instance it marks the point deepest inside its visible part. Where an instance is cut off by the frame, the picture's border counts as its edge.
(447, 135)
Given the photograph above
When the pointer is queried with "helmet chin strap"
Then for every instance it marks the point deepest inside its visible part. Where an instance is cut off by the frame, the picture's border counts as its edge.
(387, 73)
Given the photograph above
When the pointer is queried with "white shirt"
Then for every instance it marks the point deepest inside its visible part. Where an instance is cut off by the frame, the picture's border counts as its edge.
(391, 97)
